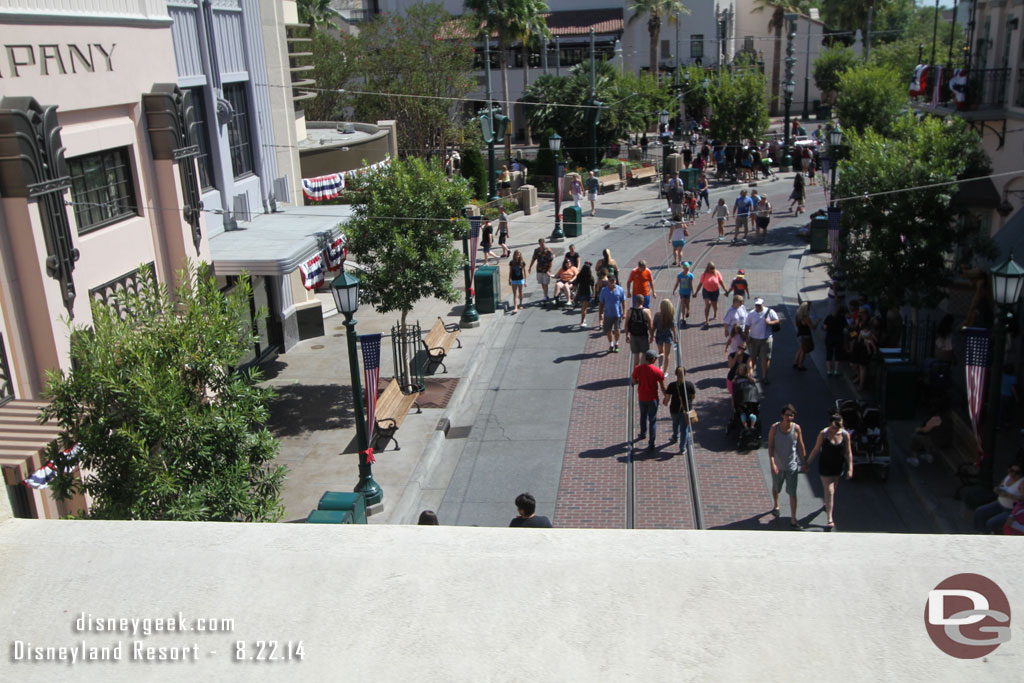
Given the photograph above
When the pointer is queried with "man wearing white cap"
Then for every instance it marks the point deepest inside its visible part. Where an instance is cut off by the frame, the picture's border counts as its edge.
(757, 329)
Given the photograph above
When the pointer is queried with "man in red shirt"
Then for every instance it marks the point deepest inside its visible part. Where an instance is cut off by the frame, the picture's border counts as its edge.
(641, 283)
(648, 377)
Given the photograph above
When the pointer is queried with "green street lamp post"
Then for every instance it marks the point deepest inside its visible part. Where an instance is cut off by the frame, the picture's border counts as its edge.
(835, 139)
(663, 117)
(345, 289)
(788, 87)
(469, 317)
(555, 144)
(1007, 282)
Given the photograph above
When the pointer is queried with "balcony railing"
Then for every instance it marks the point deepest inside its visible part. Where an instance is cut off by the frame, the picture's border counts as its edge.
(985, 89)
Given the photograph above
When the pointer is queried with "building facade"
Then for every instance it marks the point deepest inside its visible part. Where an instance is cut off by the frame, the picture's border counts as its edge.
(98, 177)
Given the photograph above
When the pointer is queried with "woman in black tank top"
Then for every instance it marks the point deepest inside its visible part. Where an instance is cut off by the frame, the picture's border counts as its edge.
(833, 445)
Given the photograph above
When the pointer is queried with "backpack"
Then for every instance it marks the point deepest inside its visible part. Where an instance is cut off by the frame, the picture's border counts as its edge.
(636, 324)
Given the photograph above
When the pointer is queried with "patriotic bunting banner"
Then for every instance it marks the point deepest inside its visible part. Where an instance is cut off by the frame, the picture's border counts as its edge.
(336, 253)
(370, 344)
(919, 83)
(937, 84)
(834, 214)
(312, 272)
(976, 364)
(323, 187)
(958, 84)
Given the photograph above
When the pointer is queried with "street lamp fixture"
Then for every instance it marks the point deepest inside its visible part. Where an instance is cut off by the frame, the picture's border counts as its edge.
(555, 144)
(663, 117)
(835, 137)
(345, 289)
(1007, 282)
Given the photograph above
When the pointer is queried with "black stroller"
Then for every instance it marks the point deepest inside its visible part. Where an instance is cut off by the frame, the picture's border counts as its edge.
(869, 439)
(746, 417)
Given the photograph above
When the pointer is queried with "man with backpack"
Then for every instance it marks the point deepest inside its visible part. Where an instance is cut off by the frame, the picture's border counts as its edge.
(639, 328)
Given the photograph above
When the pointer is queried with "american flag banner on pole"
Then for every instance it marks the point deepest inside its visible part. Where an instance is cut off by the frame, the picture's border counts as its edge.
(474, 240)
(834, 214)
(371, 376)
(976, 364)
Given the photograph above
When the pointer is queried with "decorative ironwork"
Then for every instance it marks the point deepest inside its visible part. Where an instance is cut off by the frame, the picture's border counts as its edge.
(112, 293)
(171, 120)
(6, 382)
(408, 360)
(32, 166)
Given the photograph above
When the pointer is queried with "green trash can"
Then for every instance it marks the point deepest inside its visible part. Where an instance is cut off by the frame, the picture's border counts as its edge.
(350, 502)
(329, 517)
(899, 388)
(572, 221)
(487, 285)
(819, 234)
(689, 177)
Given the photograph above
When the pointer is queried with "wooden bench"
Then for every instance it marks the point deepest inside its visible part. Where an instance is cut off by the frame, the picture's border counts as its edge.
(392, 407)
(961, 455)
(439, 341)
(611, 181)
(642, 173)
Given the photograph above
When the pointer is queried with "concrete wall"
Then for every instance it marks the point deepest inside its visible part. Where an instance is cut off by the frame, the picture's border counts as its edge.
(372, 146)
(387, 603)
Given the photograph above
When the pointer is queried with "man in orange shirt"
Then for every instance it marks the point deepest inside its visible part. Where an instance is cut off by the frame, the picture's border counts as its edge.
(641, 283)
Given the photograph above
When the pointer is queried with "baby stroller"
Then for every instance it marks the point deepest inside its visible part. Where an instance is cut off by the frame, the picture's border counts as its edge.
(746, 418)
(868, 436)
(766, 168)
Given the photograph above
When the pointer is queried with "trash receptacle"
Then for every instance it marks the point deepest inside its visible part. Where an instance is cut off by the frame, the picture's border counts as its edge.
(899, 388)
(572, 224)
(329, 517)
(689, 177)
(487, 285)
(345, 502)
(819, 234)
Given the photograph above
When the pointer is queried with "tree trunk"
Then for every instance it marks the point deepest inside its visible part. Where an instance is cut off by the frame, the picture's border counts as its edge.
(778, 19)
(654, 28)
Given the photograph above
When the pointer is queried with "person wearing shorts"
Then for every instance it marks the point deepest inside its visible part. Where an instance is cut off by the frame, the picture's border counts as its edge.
(678, 240)
(711, 282)
(684, 282)
(612, 298)
(762, 217)
(591, 186)
(720, 213)
(758, 331)
(486, 241)
(741, 212)
(543, 257)
(788, 458)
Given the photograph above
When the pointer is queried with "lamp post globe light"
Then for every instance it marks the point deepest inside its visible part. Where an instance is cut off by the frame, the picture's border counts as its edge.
(345, 289)
(1007, 283)
(555, 145)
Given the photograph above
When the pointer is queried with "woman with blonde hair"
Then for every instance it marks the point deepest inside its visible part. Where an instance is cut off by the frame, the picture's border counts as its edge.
(711, 283)
(804, 334)
(665, 331)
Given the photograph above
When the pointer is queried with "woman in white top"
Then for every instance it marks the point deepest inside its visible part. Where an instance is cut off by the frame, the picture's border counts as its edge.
(720, 213)
(992, 516)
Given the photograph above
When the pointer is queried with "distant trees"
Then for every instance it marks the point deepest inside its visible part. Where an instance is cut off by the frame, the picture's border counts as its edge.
(871, 97)
(654, 10)
(829, 66)
(737, 100)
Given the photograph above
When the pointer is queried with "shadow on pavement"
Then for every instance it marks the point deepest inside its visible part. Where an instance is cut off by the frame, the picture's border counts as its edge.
(579, 356)
(607, 452)
(310, 408)
(604, 384)
(753, 523)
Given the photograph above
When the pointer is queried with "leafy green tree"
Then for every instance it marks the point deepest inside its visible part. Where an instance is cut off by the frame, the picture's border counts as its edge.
(695, 93)
(901, 54)
(315, 12)
(637, 101)
(655, 10)
(397, 68)
(403, 229)
(167, 428)
(870, 97)
(737, 101)
(889, 20)
(778, 8)
(829, 66)
(475, 171)
(331, 69)
(915, 229)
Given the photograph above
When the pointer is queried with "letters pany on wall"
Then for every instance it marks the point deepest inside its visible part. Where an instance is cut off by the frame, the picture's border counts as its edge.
(54, 59)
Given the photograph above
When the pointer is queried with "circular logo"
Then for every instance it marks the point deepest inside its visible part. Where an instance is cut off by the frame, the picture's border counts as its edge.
(967, 616)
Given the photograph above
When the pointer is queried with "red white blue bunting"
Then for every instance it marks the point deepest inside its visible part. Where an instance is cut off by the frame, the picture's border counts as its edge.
(331, 185)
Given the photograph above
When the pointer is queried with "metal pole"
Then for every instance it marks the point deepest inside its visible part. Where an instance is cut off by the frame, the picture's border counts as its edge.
(935, 31)
(558, 56)
(469, 318)
(544, 54)
(952, 35)
(679, 61)
(832, 184)
(986, 479)
(807, 72)
(557, 234)
(366, 486)
(593, 100)
(867, 36)
(492, 185)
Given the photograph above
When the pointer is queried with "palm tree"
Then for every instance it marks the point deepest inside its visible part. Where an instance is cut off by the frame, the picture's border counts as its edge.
(315, 13)
(779, 9)
(529, 26)
(510, 20)
(654, 9)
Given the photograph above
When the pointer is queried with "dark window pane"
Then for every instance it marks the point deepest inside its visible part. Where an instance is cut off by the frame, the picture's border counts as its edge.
(207, 179)
(102, 188)
(238, 130)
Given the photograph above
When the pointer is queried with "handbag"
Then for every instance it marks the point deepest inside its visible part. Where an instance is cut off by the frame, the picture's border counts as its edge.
(775, 326)
(693, 416)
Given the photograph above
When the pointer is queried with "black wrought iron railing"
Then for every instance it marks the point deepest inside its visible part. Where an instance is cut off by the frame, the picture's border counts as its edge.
(977, 89)
(6, 383)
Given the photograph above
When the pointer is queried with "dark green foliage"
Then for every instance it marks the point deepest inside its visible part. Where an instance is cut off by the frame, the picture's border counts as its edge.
(167, 429)
(474, 169)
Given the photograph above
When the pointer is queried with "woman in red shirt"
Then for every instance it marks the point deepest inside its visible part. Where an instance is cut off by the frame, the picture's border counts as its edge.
(711, 282)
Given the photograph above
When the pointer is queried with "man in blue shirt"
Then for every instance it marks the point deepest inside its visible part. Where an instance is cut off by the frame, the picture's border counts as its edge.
(613, 299)
(741, 212)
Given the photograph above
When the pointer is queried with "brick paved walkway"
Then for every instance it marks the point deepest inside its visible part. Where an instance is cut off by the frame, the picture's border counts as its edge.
(592, 489)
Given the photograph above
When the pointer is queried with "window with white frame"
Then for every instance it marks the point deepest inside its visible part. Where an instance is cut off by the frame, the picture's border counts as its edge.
(697, 46)
(239, 136)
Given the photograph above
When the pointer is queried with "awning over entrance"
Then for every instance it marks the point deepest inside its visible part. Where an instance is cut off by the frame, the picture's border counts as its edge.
(23, 440)
(276, 243)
